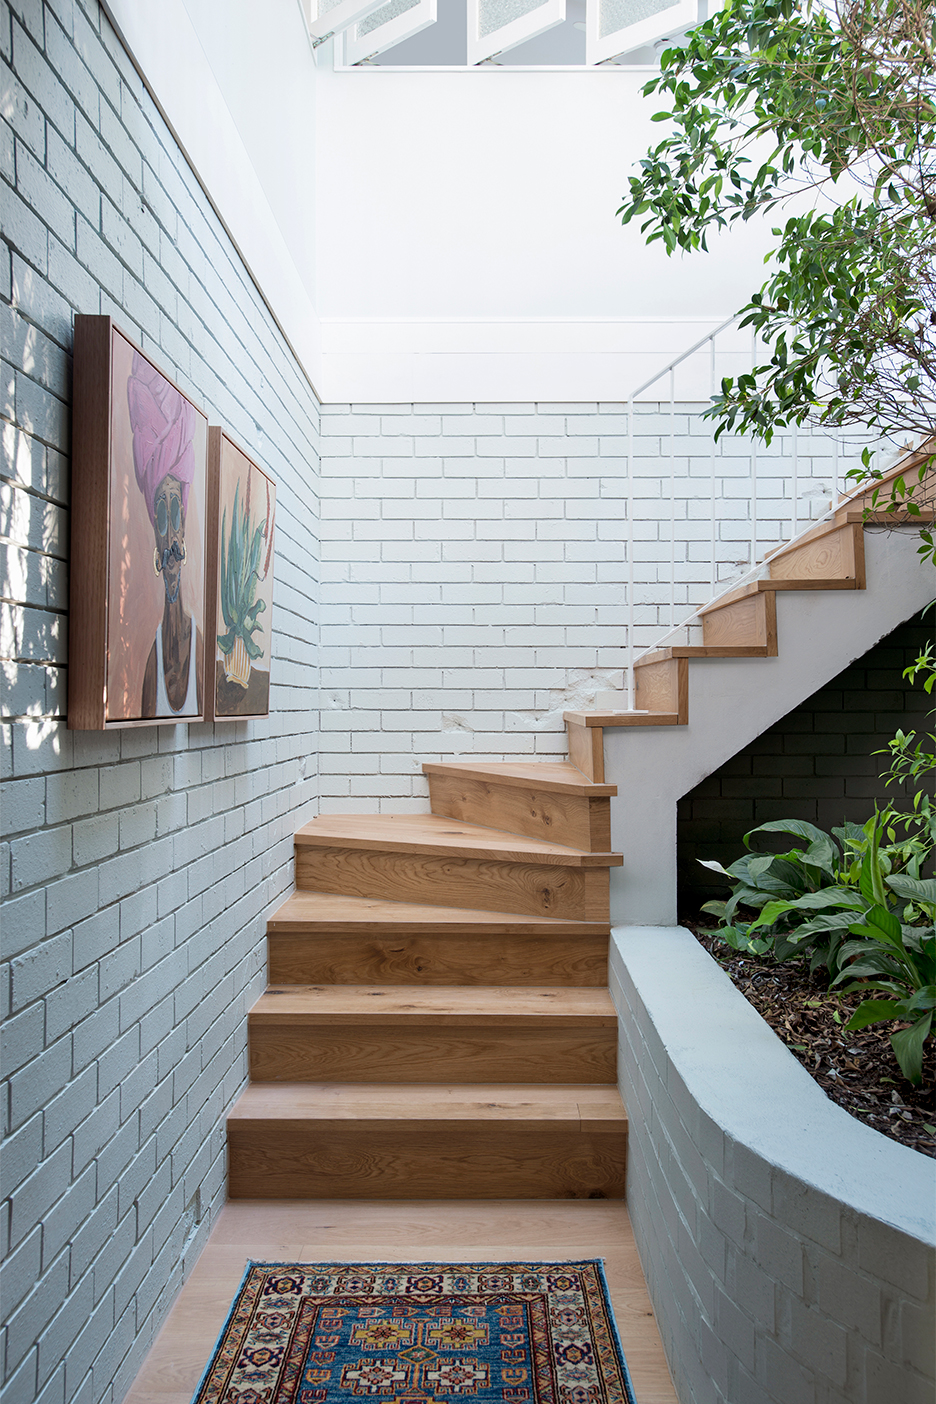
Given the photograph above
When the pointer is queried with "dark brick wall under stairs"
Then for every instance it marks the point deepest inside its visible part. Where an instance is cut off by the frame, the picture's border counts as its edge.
(816, 763)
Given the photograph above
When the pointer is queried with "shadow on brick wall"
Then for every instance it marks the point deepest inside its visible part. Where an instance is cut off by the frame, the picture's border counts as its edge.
(817, 763)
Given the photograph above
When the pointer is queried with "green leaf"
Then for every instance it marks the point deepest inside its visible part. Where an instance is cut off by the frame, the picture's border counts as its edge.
(880, 925)
(797, 827)
(914, 889)
(908, 1048)
(872, 1011)
(714, 908)
(823, 925)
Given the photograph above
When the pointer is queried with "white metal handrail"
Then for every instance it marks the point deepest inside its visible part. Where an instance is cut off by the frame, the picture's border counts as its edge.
(793, 479)
(670, 371)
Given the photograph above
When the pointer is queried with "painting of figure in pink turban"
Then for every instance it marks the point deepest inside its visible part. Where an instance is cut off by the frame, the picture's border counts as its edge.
(156, 647)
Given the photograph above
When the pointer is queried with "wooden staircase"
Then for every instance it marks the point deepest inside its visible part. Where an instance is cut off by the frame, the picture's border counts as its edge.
(438, 1023)
(742, 623)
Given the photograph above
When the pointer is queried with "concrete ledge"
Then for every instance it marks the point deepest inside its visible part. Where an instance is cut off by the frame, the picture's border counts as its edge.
(789, 1250)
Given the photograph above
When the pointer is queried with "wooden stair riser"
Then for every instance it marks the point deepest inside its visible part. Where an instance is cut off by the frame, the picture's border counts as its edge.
(576, 820)
(663, 687)
(750, 622)
(430, 1160)
(830, 553)
(586, 750)
(430, 1053)
(496, 958)
(907, 468)
(580, 894)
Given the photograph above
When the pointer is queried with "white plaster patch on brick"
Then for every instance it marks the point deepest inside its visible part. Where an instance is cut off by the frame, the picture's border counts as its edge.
(474, 574)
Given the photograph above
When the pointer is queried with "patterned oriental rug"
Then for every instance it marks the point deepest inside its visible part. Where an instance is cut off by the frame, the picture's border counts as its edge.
(419, 1333)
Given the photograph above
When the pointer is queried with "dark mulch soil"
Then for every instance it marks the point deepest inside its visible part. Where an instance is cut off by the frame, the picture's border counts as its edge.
(857, 1070)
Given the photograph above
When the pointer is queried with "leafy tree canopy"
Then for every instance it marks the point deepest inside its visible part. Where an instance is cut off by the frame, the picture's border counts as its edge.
(771, 98)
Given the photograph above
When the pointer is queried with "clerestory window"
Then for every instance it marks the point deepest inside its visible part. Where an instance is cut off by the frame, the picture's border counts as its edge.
(509, 33)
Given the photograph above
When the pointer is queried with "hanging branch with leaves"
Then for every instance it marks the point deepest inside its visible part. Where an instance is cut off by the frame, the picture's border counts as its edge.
(771, 99)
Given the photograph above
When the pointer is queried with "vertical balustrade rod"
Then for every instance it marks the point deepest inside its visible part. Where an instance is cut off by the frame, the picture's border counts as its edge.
(629, 543)
(795, 511)
(672, 493)
(753, 462)
(714, 572)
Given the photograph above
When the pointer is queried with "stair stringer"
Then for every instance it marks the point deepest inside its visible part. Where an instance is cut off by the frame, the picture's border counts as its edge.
(732, 701)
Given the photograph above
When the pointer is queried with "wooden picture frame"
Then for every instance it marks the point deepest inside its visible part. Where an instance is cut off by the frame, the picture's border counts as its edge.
(242, 511)
(138, 539)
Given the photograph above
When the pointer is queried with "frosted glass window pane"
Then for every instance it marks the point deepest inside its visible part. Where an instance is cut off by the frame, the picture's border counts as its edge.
(494, 14)
(323, 7)
(619, 14)
(385, 12)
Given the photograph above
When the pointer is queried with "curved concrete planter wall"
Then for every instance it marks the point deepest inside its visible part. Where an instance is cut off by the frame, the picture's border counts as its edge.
(789, 1250)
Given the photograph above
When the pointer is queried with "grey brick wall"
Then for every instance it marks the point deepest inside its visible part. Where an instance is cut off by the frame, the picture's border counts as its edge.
(818, 763)
(136, 867)
(788, 1248)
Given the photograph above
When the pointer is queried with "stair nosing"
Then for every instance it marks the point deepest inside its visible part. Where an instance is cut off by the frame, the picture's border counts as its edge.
(463, 921)
(424, 1006)
(386, 1102)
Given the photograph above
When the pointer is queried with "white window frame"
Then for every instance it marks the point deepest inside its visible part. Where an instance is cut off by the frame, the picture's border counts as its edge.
(634, 36)
(338, 18)
(527, 26)
(384, 36)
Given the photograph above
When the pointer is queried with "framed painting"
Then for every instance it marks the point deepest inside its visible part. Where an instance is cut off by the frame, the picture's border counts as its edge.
(138, 539)
(242, 509)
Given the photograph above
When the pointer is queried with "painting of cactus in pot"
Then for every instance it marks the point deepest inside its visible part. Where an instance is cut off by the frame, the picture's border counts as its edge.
(244, 508)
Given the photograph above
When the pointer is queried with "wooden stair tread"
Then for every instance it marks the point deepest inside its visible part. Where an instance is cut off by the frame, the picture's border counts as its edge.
(601, 719)
(455, 1005)
(591, 1105)
(559, 776)
(662, 655)
(436, 834)
(761, 587)
(347, 915)
(896, 519)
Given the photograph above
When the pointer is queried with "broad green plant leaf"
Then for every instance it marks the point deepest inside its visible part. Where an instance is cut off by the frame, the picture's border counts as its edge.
(812, 901)
(879, 925)
(908, 1048)
(872, 1011)
(914, 889)
(799, 828)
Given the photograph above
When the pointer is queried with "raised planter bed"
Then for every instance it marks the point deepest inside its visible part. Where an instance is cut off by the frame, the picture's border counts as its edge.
(790, 1251)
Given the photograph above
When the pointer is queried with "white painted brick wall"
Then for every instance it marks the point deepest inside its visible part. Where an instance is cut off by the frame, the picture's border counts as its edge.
(137, 867)
(474, 576)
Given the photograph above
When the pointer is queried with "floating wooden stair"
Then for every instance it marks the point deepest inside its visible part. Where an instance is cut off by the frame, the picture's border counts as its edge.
(742, 623)
(547, 800)
(438, 1022)
(829, 558)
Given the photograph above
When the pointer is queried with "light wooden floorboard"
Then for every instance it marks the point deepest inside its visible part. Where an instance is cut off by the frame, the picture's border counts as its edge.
(437, 1231)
